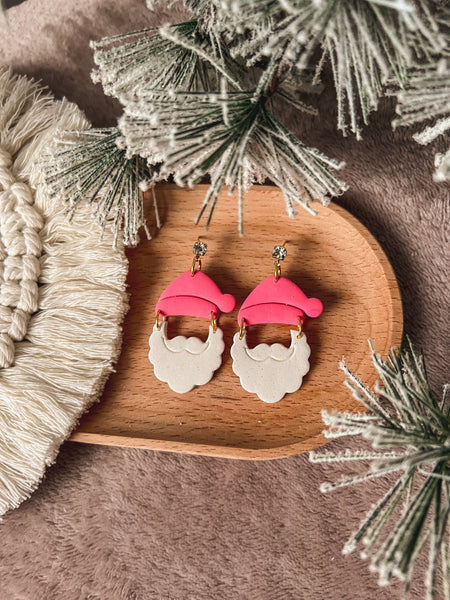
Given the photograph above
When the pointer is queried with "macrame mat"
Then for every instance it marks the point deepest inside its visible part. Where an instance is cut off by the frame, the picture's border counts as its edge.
(61, 296)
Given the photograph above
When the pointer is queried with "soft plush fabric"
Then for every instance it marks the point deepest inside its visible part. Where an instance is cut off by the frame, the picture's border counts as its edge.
(124, 524)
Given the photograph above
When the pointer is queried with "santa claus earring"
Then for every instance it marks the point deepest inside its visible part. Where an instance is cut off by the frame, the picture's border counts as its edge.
(273, 371)
(183, 362)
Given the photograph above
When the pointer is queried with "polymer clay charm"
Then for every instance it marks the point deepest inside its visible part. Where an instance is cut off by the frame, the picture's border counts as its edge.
(271, 371)
(181, 362)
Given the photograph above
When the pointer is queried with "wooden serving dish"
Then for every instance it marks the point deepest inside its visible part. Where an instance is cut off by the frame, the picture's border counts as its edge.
(330, 256)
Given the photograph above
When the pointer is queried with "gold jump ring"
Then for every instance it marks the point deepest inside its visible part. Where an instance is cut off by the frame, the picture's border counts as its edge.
(158, 322)
(241, 329)
(196, 262)
(213, 321)
(277, 271)
(300, 330)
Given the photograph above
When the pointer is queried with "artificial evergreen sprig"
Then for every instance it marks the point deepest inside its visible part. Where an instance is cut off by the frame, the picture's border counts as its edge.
(231, 134)
(232, 137)
(427, 97)
(410, 434)
(89, 166)
(366, 41)
(177, 57)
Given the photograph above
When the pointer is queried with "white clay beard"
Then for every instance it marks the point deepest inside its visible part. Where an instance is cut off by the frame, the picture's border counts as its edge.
(183, 362)
(271, 371)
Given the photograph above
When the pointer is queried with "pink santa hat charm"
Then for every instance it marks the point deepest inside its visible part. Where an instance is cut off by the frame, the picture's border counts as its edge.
(182, 362)
(278, 301)
(272, 371)
(195, 295)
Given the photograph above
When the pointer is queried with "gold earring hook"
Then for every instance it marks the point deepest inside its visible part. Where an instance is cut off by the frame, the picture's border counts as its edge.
(196, 262)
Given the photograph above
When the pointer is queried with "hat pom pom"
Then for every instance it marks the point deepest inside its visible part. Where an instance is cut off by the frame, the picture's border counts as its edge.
(314, 307)
(226, 303)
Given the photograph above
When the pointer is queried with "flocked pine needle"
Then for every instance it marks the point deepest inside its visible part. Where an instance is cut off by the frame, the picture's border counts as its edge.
(410, 434)
(89, 166)
(231, 137)
(199, 96)
(427, 98)
(181, 57)
(366, 42)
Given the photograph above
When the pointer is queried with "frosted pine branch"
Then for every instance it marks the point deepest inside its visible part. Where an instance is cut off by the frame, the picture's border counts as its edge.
(415, 513)
(172, 57)
(89, 166)
(209, 49)
(203, 8)
(428, 98)
(366, 41)
(197, 94)
(231, 137)
(442, 164)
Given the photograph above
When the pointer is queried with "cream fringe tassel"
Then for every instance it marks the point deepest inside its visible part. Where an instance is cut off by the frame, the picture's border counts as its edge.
(71, 297)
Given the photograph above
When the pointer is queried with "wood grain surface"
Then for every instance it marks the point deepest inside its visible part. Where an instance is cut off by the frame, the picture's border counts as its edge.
(330, 256)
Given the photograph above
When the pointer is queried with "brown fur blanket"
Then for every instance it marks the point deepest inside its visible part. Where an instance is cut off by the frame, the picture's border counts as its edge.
(125, 524)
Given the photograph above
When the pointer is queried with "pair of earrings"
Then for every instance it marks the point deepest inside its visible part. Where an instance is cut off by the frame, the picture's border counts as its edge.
(269, 371)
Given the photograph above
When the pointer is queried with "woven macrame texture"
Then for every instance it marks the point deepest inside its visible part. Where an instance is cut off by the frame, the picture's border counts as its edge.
(20, 249)
(61, 296)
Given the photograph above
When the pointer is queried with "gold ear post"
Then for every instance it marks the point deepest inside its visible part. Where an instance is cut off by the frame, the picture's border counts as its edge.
(196, 262)
(277, 271)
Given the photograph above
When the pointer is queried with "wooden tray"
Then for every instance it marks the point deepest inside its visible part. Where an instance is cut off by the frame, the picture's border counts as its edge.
(331, 256)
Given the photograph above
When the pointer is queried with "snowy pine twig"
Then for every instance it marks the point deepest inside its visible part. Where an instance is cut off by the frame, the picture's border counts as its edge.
(232, 137)
(89, 166)
(410, 433)
(366, 42)
(235, 62)
(177, 57)
(427, 97)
